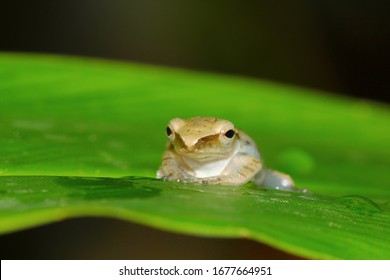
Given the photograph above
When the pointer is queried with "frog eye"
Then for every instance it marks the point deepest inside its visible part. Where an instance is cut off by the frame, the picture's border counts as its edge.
(230, 133)
(169, 131)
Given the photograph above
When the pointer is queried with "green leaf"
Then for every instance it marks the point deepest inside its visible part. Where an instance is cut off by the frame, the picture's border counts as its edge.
(70, 128)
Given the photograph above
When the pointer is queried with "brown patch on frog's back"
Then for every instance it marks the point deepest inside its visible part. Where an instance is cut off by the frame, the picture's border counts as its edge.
(207, 141)
(202, 121)
(198, 126)
(180, 141)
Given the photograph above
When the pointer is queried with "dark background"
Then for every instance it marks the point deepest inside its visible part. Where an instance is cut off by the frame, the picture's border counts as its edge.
(339, 46)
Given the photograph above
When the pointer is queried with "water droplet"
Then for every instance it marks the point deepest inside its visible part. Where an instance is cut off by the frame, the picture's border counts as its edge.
(296, 161)
(359, 204)
(334, 225)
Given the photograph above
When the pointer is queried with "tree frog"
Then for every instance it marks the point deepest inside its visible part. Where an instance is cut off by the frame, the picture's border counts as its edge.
(209, 150)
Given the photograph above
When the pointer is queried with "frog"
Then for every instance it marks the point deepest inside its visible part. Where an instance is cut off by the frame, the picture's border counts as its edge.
(210, 150)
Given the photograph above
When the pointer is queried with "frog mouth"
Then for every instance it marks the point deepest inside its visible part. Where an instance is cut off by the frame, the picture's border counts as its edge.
(195, 153)
(201, 155)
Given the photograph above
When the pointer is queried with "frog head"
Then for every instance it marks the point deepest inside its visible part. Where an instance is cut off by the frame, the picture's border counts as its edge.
(203, 138)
